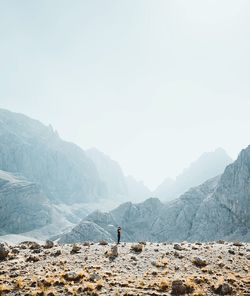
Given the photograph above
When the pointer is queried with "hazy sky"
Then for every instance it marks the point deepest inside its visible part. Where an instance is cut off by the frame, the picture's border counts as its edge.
(153, 83)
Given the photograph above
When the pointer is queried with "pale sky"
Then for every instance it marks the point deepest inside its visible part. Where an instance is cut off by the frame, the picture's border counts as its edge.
(153, 84)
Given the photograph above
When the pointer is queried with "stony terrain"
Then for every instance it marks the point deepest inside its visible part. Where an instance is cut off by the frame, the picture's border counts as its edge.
(219, 268)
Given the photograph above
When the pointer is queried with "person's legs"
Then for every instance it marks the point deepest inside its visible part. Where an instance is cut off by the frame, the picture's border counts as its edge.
(118, 239)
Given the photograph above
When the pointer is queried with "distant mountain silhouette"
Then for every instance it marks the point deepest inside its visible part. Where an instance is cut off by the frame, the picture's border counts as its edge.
(208, 165)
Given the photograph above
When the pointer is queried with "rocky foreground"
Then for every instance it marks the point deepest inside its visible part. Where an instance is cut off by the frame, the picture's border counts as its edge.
(219, 268)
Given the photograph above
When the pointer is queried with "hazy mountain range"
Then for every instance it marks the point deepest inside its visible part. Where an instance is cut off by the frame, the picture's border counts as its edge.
(48, 185)
(217, 209)
(208, 165)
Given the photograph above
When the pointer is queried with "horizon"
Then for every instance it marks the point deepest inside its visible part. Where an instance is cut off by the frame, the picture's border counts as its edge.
(153, 85)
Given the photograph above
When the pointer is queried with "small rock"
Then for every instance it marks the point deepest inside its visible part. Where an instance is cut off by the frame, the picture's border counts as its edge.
(232, 252)
(133, 258)
(72, 276)
(221, 242)
(48, 244)
(56, 253)
(103, 243)
(248, 257)
(34, 246)
(32, 259)
(221, 264)
(36, 251)
(75, 249)
(238, 244)
(178, 288)
(4, 251)
(199, 262)
(114, 251)
(224, 289)
(86, 244)
(94, 277)
(15, 251)
(178, 247)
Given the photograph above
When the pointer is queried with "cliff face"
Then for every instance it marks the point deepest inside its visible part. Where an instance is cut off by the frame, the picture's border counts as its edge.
(217, 209)
(23, 207)
(35, 151)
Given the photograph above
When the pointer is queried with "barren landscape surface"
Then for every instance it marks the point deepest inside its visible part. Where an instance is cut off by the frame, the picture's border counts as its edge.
(219, 268)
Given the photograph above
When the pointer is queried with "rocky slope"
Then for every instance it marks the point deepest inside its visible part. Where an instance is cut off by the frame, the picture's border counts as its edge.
(22, 205)
(207, 166)
(199, 269)
(217, 209)
(35, 151)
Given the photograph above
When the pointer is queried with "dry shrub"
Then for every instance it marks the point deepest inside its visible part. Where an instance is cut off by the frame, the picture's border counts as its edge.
(164, 285)
(4, 289)
(137, 248)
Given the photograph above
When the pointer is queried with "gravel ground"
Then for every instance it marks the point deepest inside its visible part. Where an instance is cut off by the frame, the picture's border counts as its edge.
(220, 268)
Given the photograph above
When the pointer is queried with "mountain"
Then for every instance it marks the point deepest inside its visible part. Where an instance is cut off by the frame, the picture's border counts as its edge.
(217, 209)
(119, 187)
(207, 166)
(62, 169)
(137, 191)
(23, 206)
(110, 173)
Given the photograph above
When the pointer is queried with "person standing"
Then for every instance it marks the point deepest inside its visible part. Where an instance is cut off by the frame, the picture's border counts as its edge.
(119, 229)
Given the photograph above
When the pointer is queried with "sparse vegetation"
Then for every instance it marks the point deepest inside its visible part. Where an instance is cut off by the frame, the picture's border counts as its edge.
(148, 272)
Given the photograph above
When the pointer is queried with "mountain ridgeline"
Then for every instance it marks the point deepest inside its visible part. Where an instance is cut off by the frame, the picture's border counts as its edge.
(61, 169)
(38, 168)
(208, 165)
(217, 209)
(47, 185)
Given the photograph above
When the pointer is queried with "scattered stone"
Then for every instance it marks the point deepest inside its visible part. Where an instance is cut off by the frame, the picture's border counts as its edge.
(221, 242)
(133, 258)
(75, 249)
(86, 244)
(224, 289)
(199, 262)
(72, 276)
(32, 258)
(103, 243)
(238, 244)
(56, 253)
(15, 251)
(178, 247)
(114, 251)
(49, 244)
(94, 277)
(232, 252)
(4, 251)
(178, 288)
(34, 246)
(142, 243)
